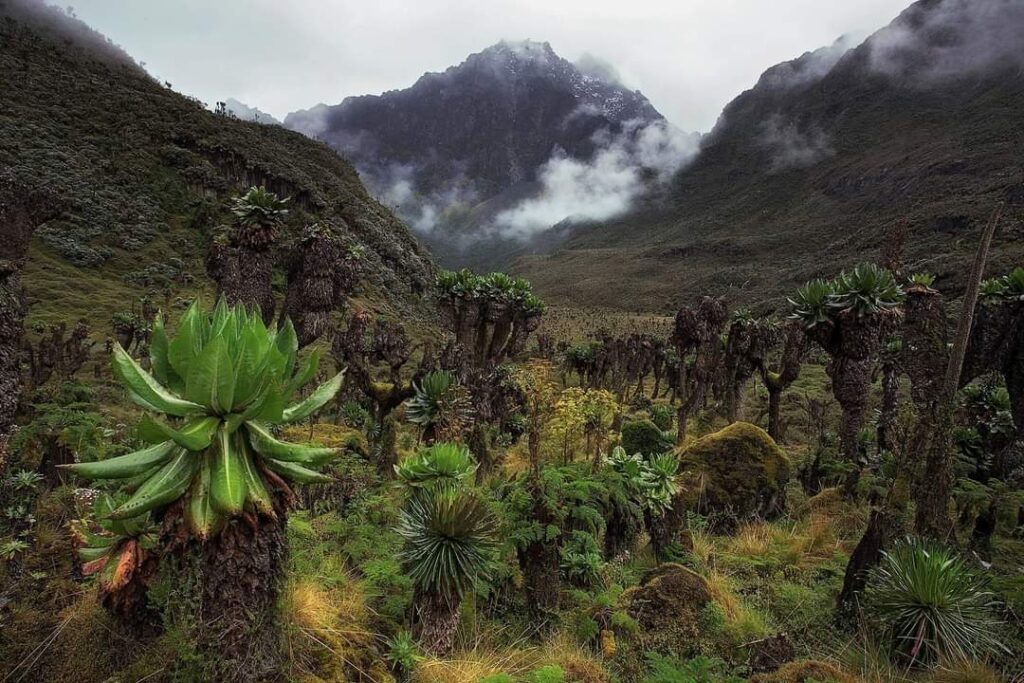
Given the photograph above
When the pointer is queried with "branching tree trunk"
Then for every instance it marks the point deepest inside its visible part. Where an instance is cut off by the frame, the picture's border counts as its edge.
(321, 273)
(776, 382)
(933, 518)
(696, 334)
(21, 210)
(924, 347)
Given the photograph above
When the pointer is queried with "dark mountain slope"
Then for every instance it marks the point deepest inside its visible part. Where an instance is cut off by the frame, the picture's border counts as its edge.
(494, 119)
(143, 173)
(811, 169)
(477, 133)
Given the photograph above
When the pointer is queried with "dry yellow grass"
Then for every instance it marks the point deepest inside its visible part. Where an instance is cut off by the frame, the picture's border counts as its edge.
(471, 665)
(328, 637)
(752, 539)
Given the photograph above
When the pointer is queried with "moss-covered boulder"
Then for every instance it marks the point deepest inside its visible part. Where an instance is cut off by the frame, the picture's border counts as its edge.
(667, 607)
(736, 474)
(644, 437)
(807, 671)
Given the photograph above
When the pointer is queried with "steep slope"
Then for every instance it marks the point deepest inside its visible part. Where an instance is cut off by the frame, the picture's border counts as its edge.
(811, 169)
(144, 173)
(477, 133)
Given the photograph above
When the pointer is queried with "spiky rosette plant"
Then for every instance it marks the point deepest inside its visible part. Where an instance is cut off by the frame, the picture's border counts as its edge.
(223, 381)
(865, 290)
(931, 604)
(439, 406)
(259, 214)
(437, 466)
(449, 539)
(810, 303)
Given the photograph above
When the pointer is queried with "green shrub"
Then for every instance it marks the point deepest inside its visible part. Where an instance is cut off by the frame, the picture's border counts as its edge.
(663, 415)
(551, 673)
(929, 603)
(644, 437)
(662, 669)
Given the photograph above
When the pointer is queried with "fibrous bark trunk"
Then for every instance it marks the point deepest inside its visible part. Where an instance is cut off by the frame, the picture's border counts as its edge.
(243, 276)
(539, 561)
(21, 210)
(230, 586)
(438, 621)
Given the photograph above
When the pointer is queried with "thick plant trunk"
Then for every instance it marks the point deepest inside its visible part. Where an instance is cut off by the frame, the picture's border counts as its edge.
(21, 210)
(890, 406)
(229, 589)
(130, 605)
(851, 378)
(775, 412)
(12, 314)
(540, 569)
(539, 562)
(437, 624)
(935, 490)
(665, 530)
(243, 276)
(883, 526)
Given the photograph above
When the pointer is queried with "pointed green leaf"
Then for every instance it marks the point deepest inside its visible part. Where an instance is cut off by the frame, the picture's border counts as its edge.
(164, 487)
(227, 481)
(305, 374)
(295, 472)
(145, 390)
(201, 516)
(257, 490)
(265, 444)
(287, 343)
(324, 393)
(194, 435)
(187, 340)
(158, 352)
(89, 553)
(211, 379)
(124, 466)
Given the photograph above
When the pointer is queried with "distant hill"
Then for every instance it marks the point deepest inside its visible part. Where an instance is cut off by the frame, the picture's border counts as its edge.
(811, 169)
(145, 172)
(247, 113)
(456, 148)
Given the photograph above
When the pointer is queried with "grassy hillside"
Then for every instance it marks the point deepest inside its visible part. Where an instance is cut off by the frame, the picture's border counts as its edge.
(144, 173)
(807, 173)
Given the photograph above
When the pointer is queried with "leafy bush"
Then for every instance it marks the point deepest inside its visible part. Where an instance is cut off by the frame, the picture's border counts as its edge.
(931, 605)
(645, 438)
(663, 415)
(552, 673)
(662, 669)
(403, 652)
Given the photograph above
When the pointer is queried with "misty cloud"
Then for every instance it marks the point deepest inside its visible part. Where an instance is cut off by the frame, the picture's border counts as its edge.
(790, 147)
(604, 186)
(812, 66)
(951, 38)
(595, 67)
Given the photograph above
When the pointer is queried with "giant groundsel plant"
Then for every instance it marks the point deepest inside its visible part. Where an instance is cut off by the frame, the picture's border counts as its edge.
(218, 387)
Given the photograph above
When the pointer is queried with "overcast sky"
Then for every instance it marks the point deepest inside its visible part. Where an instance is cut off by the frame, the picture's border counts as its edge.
(689, 57)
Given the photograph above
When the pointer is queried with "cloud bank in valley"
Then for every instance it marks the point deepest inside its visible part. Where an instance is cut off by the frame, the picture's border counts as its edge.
(606, 185)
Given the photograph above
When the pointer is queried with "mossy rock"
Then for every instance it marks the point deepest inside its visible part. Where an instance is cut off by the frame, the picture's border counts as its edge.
(736, 474)
(644, 437)
(807, 671)
(667, 606)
